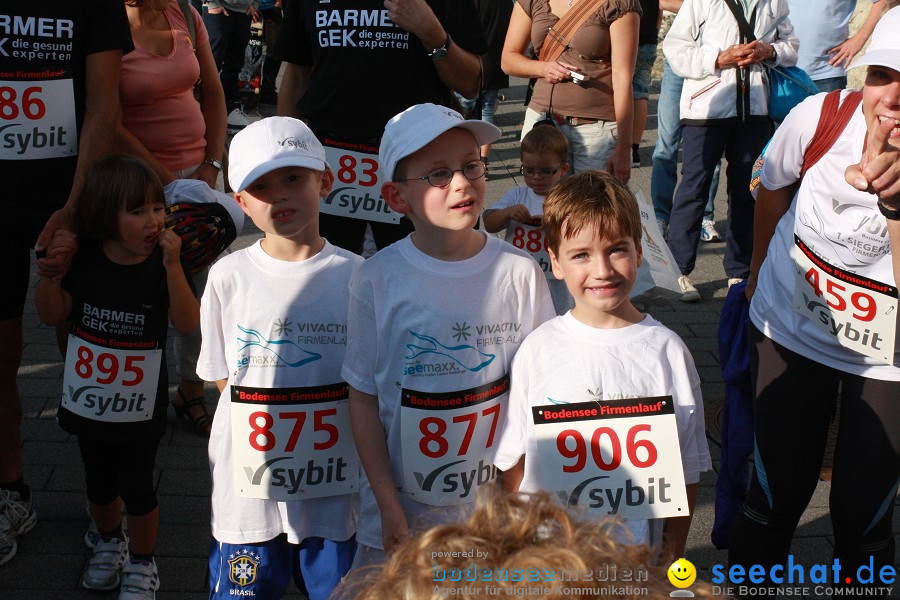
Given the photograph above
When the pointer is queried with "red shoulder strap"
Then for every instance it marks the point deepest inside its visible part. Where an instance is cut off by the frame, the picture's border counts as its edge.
(833, 119)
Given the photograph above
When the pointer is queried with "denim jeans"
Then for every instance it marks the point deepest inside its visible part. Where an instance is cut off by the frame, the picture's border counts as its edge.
(665, 153)
(488, 105)
(831, 83)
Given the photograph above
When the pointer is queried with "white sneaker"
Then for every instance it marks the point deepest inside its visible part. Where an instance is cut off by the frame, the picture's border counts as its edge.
(16, 518)
(688, 292)
(734, 280)
(102, 572)
(139, 581)
(238, 119)
(708, 232)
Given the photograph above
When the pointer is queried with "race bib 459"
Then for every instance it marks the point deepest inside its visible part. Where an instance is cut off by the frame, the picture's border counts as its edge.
(860, 313)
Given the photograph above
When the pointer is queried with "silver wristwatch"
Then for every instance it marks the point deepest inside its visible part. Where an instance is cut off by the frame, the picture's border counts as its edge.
(440, 53)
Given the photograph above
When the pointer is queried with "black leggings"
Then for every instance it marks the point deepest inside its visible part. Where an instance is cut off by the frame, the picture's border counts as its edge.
(112, 470)
(794, 403)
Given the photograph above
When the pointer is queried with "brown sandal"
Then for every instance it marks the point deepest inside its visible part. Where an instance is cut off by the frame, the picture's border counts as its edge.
(200, 422)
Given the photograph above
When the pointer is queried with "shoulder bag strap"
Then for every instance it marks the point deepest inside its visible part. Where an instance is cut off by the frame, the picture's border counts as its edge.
(832, 121)
(745, 27)
(189, 18)
(557, 37)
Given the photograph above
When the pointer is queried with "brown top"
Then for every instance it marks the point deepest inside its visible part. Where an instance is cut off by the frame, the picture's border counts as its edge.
(589, 49)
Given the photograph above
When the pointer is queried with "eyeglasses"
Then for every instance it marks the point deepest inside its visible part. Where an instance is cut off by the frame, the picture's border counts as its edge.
(532, 172)
(441, 178)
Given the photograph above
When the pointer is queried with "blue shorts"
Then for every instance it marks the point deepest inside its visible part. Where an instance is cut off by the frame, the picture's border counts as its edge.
(640, 82)
(265, 570)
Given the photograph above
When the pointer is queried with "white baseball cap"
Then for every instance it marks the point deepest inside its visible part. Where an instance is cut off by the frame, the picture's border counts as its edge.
(194, 191)
(418, 126)
(270, 144)
(884, 50)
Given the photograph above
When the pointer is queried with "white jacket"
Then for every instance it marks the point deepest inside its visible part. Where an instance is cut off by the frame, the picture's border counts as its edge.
(702, 29)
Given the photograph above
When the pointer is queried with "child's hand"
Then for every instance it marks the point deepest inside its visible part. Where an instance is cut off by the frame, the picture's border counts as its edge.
(394, 529)
(519, 213)
(171, 247)
(61, 250)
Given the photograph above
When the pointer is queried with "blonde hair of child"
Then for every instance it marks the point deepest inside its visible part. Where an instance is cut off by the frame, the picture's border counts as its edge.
(528, 533)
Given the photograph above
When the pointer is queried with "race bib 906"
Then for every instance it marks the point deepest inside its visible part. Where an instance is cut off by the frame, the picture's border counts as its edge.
(293, 443)
(615, 457)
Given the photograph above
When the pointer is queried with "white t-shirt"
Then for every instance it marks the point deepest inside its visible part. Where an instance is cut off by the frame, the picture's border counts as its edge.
(562, 299)
(520, 195)
(302, 306)
(426, 328)
(571, 362)
(836, 221)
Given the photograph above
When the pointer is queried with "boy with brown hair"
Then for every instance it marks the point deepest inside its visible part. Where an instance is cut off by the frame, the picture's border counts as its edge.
(603, 357)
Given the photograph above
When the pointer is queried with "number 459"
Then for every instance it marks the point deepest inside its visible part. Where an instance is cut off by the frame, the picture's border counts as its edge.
(861, 301)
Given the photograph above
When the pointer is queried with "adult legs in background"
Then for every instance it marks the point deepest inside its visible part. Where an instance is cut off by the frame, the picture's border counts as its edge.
(665, 154)
(640, 90)
(702, 147)
(16, 514)
(228, 38)
(745, 143)
(271, 26)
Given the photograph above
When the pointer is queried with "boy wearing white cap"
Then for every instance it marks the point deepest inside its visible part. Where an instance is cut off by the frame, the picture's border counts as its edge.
(274, 322)
(434, 322)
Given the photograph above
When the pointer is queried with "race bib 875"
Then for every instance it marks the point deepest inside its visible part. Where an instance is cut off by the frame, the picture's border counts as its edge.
(615, 457)
(293, 443)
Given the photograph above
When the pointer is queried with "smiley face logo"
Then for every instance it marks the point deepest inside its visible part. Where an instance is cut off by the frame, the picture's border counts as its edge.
(682, 573)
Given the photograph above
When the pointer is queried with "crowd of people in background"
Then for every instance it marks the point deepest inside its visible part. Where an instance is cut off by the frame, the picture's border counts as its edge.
(106, 105)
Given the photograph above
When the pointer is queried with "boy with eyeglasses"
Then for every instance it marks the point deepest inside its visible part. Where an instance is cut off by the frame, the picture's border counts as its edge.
(433, 324)
(543, 152)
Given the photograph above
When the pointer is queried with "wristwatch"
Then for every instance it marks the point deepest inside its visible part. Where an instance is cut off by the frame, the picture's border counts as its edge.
(213, 163)
(440, 53)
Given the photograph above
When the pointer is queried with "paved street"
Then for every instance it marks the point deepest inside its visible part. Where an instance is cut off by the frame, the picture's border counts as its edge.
(51, 557)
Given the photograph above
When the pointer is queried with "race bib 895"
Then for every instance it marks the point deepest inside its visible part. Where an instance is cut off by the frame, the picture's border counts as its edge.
(113, 385)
